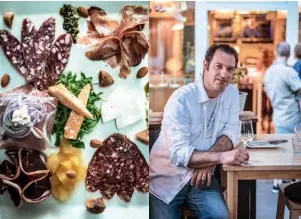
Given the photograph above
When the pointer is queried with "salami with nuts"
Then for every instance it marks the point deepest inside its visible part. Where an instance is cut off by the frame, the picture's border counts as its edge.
(56, 61)
(42, 43)
(12, 49)
(117, 167)
(27, 36)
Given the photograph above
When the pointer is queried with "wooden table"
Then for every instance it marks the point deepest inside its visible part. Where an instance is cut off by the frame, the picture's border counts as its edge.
(279, 163)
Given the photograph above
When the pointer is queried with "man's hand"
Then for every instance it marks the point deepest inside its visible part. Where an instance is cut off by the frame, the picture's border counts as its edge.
(234, 157)
(201, 176)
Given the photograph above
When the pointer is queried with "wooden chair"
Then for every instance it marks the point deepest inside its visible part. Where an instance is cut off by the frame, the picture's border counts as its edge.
(294, 208)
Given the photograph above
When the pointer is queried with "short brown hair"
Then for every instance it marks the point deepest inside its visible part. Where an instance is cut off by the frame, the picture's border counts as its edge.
(221, 46)
(297, 51)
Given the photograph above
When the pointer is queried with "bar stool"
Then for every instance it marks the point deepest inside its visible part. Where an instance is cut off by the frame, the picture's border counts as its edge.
(294, 207)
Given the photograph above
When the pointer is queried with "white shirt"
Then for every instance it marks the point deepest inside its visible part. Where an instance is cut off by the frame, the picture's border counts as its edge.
(184, 129)
(281, 83)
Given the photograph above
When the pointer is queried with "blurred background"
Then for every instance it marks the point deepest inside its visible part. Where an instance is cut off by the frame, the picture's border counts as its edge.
(180, 33)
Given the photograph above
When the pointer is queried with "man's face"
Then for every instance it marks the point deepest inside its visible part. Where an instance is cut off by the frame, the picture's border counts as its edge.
(220, 72)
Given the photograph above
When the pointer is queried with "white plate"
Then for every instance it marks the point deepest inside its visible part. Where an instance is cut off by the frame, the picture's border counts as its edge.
(263, 146)
(75, 207)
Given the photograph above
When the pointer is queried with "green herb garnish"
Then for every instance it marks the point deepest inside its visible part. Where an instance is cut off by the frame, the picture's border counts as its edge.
(71, 18)
(72, 84)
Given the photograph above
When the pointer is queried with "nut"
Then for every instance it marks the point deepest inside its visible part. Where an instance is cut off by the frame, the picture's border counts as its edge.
(83, 12)
(105, 79)
(96, 206)
(95, 143)
(142, 72)
(62, 11)
(71, 174)
(5, 80)
(8, 18)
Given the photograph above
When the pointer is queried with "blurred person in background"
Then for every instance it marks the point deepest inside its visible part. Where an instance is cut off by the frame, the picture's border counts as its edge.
(200, 128)
(297, 65)
(282, 84)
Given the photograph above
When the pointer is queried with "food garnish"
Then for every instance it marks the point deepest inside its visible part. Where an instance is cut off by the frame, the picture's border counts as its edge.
(8, 19)
(67, 169)
(5, 80)
(75, 85)
(71, 18)
(96, 206)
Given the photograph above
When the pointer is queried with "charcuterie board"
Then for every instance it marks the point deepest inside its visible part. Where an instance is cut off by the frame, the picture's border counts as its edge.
(122, 105)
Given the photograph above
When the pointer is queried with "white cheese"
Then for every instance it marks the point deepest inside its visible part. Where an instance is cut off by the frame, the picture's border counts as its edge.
(112, 106)
(21, 116)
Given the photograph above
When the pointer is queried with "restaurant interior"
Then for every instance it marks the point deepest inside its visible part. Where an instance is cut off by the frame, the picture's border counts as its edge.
(180, 33)
(253, 33)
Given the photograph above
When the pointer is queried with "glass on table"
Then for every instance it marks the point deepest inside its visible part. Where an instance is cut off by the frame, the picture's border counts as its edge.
(246, 132)
(297, 145)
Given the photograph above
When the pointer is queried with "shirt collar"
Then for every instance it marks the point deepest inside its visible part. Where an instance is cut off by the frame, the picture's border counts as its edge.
(202, 94)
(280, 61)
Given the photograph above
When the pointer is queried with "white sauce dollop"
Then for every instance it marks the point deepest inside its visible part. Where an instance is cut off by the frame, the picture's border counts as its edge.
(21, 116)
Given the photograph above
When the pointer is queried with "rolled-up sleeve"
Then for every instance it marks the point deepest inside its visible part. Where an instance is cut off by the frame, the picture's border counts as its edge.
(179, 131)
(231, 128)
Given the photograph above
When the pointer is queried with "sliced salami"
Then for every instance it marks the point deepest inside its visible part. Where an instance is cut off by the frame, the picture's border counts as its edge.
(118, 167)
(56, 61)
(12, 49)
(42, 43)
(27, 36)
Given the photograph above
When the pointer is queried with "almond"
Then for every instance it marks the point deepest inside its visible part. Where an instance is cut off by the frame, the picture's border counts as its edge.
(105, 79)
(95, 143)
(71, 174)
(96, 206)
(8, 18)
(142, 72)
(5, 80)
(83, 12)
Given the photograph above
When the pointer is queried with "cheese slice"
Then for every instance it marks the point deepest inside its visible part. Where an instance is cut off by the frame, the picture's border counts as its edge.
(69, 100)
(113, 105)
(75, 120)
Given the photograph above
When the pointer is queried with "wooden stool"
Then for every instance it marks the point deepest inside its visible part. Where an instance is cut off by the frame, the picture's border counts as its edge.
(294, 208)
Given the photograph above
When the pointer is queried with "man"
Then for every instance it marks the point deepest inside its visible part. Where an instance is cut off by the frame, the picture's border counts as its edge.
(297, 65)
(199, 129)
(281, 84)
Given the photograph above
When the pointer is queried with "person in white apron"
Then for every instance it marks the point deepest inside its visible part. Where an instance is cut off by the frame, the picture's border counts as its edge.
(200, 128)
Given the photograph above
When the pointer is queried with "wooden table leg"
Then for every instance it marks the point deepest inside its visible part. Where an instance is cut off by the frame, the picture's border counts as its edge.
(232, 184)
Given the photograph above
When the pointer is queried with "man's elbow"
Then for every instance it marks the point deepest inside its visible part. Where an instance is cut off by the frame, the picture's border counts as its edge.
(177, 158)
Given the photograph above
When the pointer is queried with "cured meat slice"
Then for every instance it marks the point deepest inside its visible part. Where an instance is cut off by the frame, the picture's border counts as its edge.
(42, 42)
(27, 36)
(133, 19)
(114, 169)
(32, 186)
(56, 61)
(12, 49)
(107, 48)
(104, 26)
